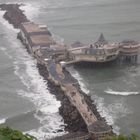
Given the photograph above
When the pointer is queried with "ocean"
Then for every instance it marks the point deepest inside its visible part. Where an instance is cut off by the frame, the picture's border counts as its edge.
(25, 101)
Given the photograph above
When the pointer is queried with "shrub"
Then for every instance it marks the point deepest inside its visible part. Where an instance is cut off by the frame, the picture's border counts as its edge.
(10, 134)
(123, 137)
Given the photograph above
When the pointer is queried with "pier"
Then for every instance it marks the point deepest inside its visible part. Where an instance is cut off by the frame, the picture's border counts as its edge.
(129, 50)
(48, 53)
(96, 128)
(44, 51)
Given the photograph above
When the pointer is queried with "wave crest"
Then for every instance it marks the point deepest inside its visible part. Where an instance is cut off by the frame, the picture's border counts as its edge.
(123, 93)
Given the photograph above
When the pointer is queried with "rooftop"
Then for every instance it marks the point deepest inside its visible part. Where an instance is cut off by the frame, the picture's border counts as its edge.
(41, 40)
(31, 27)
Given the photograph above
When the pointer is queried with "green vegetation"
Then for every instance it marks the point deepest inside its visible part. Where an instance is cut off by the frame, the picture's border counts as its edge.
(10, 134)
(123, 137)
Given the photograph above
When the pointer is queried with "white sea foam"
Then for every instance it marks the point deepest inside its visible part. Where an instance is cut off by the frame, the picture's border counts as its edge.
(6, 52)
(123, 93)
(47, 130)
(112, 111)
(2, 121)
(5, 22)
(30, 10)
(46, 104)
(36, 90)
(77, 76)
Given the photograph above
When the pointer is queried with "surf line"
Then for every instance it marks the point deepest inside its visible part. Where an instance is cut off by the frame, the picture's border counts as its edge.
(77, 108)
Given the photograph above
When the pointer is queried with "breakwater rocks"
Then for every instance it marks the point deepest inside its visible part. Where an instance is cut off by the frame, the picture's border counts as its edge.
(70, 114)
(72, 118)
(14, 15)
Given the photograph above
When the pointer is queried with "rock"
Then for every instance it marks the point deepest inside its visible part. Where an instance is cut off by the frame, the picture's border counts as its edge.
(69, 113)
(14, 15)
(59, 130)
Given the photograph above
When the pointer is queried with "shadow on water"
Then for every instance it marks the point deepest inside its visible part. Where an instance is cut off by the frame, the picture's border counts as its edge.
(113, 64)
(106, 72)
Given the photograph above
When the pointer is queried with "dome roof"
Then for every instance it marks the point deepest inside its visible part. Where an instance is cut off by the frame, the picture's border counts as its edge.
(101, 40)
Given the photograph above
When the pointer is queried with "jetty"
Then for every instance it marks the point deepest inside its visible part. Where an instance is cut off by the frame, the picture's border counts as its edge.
(41, 45)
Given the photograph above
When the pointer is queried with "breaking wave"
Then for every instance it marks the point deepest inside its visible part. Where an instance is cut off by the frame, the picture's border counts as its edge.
(5, 23)
(112, 112)
(5, 52)
(35, 89)
(37, 92)
(2, 121)
(123, 93)
(30, 10)
(77, 76)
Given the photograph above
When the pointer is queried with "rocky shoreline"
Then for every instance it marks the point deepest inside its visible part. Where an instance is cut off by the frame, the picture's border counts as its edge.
(14, 15)
(72, 118)
(69, 113)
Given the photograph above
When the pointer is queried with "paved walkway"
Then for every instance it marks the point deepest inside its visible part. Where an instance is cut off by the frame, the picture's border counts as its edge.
(57, 73)
(79, 102)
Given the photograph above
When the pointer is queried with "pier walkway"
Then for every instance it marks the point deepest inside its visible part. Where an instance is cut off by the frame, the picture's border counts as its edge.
(79, 102)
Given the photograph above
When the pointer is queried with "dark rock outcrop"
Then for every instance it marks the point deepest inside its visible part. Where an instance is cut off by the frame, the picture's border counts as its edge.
(14, 15)
(69, 113)
(72, 117)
